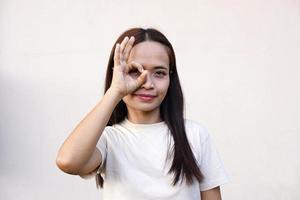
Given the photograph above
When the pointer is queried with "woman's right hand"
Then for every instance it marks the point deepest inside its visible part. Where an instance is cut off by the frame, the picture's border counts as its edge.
(122, 80)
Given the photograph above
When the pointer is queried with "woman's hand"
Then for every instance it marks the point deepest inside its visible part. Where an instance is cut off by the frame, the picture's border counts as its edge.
(122, 81)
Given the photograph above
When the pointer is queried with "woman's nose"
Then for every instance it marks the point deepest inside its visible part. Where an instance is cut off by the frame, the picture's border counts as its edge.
(149, 82)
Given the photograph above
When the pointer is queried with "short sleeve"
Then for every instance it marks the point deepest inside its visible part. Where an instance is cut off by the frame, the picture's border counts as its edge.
(211, 164)
(102, 146)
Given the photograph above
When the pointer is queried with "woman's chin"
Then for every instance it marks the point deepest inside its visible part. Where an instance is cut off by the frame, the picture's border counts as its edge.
(144, 108)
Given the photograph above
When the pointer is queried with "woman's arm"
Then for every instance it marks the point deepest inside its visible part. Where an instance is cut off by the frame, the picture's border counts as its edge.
(78, 154)
(212, 194)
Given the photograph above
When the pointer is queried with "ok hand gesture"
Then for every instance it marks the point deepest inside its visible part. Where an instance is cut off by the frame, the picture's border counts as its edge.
(122, 81)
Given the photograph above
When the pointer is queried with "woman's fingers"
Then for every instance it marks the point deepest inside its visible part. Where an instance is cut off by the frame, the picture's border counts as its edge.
(138, 66)
(122, 47)
(134, 65)
(143, 73)
(122, 52)
(128, 48)
(123, 43)
(125, 48)
(142, 78)
(117, 55)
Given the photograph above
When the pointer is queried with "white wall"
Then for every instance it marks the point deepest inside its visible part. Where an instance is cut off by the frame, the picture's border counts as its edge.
(238, 63)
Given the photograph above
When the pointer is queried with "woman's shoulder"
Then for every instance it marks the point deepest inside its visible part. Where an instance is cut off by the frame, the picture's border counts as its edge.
(196, 129)
(108, 131)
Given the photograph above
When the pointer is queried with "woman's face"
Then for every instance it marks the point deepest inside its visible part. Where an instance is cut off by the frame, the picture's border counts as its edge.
(153, 57)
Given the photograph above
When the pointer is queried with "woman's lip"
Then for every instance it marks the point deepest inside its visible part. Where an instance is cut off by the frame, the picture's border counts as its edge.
(145, 97)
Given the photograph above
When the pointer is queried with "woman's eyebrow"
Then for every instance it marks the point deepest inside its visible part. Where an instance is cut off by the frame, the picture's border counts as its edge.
(160, 67)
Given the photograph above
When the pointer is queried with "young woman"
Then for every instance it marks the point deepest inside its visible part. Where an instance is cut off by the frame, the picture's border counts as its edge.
(136, 141)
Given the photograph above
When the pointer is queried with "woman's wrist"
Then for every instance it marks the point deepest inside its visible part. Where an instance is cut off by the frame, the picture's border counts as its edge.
(114, 93)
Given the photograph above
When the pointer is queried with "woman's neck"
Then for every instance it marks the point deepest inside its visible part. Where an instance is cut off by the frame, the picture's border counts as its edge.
(140, 117)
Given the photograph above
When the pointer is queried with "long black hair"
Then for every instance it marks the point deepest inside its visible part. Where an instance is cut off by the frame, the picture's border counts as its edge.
(184, 164)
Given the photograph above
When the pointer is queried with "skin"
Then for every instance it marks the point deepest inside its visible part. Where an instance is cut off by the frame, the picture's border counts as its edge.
(78, 154)
(212, 194)
(154, 58)
(142, 69)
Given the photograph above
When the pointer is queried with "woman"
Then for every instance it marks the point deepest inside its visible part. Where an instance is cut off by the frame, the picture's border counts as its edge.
(136, 138)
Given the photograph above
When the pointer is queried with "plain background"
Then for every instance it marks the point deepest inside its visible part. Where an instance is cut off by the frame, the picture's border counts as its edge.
(238, 62)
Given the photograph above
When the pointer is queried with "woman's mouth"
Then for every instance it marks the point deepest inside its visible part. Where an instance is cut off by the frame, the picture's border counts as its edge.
(145, 97)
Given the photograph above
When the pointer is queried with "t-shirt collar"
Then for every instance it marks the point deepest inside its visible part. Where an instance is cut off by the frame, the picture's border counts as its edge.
(131, 125)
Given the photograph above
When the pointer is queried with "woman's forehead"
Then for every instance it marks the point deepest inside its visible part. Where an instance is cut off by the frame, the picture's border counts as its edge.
(150, 54)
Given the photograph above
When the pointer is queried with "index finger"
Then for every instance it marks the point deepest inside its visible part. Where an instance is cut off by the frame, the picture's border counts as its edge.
(134, 65)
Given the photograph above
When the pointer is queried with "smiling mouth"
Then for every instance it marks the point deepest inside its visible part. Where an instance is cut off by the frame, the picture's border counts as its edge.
(145, 97)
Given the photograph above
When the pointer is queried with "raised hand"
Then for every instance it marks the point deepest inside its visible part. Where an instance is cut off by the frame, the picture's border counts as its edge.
(122, 81)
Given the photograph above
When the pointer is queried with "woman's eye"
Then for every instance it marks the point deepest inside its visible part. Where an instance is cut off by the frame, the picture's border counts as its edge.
(160, 73)
(134, 72)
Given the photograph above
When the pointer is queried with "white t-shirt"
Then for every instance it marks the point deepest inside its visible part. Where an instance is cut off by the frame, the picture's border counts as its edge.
(134, 163)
